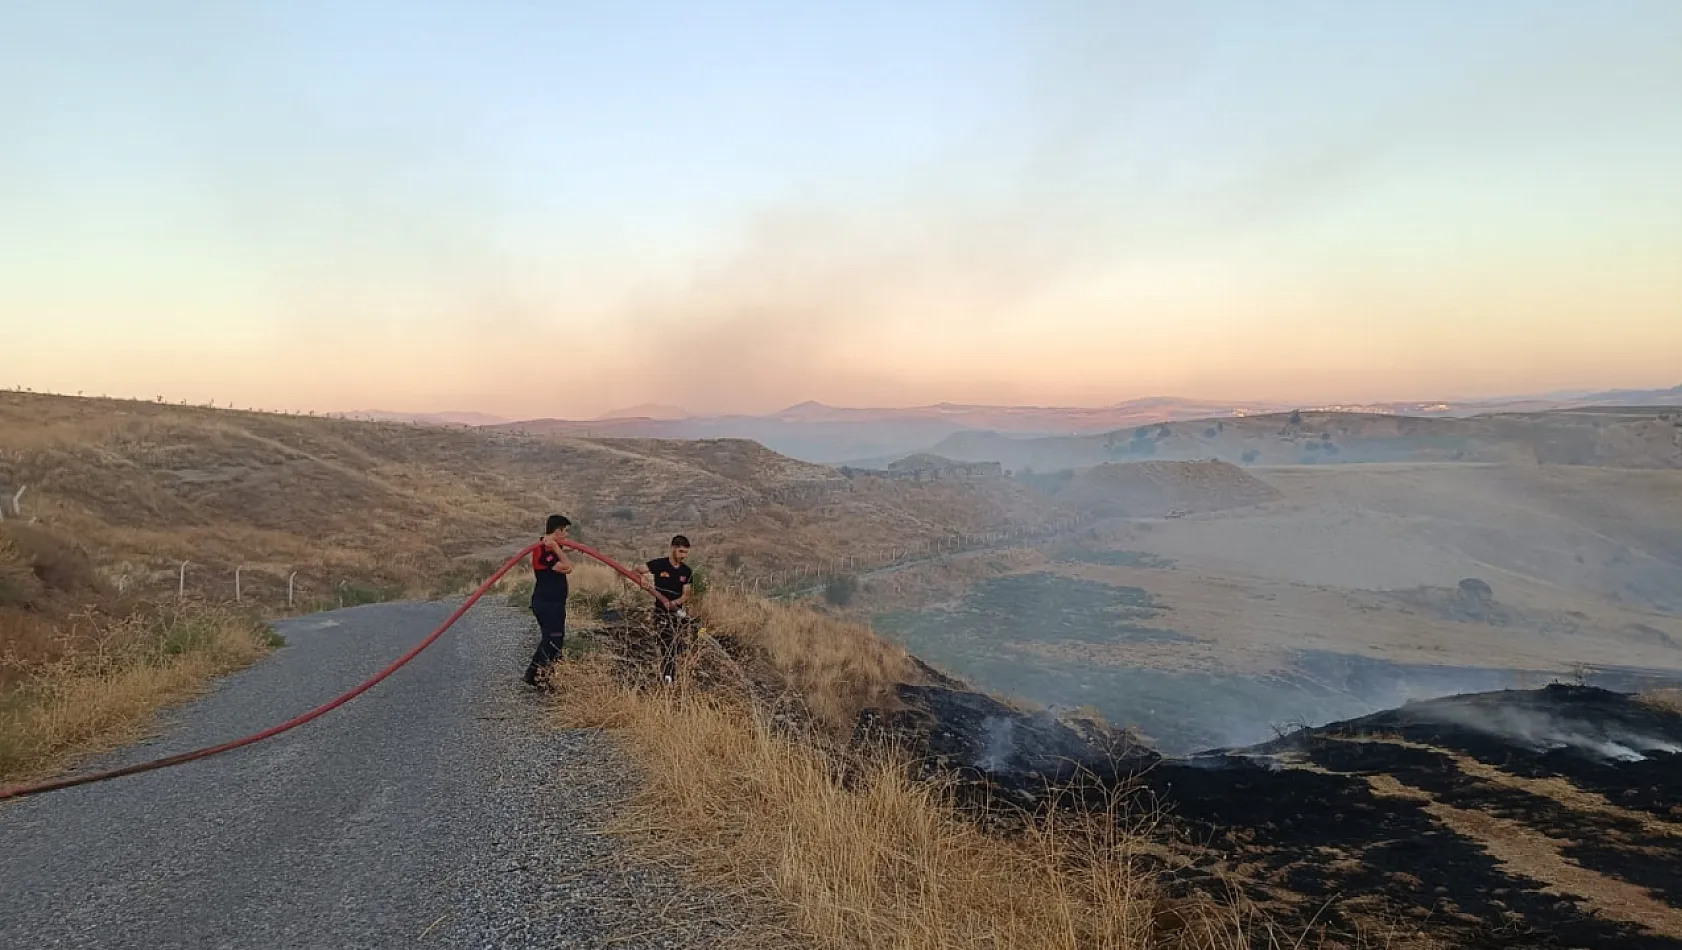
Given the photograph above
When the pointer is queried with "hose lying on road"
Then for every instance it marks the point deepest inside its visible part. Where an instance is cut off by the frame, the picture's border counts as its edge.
(20, 791)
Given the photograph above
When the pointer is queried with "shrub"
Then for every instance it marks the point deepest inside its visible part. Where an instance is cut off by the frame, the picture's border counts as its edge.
(19, 587)
(839, 592)
(1477, 591)
(356, 595)
(59, 565)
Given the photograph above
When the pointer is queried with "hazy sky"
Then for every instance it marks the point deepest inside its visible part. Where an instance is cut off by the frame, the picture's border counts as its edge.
(557, 209)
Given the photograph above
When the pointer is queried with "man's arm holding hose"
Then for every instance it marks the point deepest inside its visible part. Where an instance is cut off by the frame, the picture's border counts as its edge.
(563, 564)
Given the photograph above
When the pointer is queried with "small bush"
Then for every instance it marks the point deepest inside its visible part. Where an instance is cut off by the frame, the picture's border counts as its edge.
(19, 587)
(1250, 455)
(59, 565)
(1476, 590)
(356, 595)
(839, 592)
(623, 514)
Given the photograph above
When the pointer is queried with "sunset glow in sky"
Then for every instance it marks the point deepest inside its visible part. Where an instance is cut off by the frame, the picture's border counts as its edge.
(557, 209)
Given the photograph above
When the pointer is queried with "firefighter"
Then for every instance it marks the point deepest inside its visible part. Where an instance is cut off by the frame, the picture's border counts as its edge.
(550, 567)
(672, 578)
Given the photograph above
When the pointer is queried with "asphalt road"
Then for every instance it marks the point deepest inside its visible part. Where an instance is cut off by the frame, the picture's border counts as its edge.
(432, 811)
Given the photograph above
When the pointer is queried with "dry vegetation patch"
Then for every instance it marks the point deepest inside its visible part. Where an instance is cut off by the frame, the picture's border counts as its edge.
(81, 668)
(95, 699)
(855, 853)
(1669, 700)
(836, 667)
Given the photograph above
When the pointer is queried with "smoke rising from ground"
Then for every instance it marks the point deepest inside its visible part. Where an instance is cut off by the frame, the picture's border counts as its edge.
(1545, 732)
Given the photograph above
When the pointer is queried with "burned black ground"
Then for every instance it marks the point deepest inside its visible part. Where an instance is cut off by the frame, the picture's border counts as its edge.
(1303, 825)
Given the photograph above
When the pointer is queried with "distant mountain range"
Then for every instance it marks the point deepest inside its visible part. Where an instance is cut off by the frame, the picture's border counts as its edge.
(816, 432)
(428, 418)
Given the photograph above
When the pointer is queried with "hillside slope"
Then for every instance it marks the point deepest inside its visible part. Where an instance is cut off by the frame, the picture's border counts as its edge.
(147, 486)
(1153, 489)
(1625, 438)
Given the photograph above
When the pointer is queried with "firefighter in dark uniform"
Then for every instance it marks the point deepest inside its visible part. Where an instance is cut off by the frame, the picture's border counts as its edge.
(671, 577)
(550, 567)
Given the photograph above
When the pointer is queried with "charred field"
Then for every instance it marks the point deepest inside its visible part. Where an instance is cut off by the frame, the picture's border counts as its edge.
(1549, 817)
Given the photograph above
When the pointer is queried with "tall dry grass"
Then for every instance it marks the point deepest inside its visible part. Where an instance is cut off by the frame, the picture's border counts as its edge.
(82, 668)
(104, 692)
(880, 861)
(837, 667)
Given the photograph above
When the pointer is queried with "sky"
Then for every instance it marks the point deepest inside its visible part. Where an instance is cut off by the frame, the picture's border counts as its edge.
(559, 209)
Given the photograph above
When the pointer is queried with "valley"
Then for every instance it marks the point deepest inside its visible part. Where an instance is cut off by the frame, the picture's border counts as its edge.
(1339, 597)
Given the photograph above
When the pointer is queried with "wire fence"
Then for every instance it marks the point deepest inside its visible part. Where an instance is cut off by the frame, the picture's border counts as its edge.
(268, 586)
(271, 586)
(15, 499)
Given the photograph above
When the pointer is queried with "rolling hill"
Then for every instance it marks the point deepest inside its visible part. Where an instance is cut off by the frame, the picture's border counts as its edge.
(1630, 437)
(147, 486)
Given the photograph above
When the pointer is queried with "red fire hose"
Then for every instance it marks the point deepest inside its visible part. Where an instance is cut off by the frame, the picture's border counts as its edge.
(20, 791)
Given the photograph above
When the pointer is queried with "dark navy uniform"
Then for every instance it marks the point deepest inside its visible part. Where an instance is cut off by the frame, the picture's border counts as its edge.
(549, 604)
(670, 580)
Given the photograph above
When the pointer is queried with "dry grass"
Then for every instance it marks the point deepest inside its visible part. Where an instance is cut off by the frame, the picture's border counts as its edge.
(1669, 700)
(880, 862)
(837, 667)
(81, 668)
(102, 693)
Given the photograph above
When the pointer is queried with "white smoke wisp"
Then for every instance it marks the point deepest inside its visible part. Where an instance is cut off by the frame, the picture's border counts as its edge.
(1545, 732)
(1001, 742)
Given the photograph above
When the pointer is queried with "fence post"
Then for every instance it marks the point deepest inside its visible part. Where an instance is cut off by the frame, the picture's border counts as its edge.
(237, 597)
(289, 581)
(181, 582)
